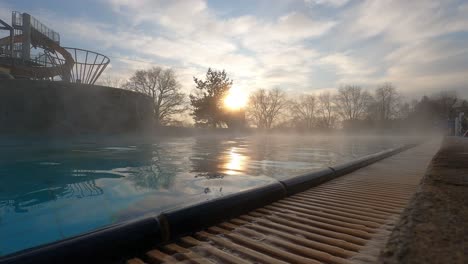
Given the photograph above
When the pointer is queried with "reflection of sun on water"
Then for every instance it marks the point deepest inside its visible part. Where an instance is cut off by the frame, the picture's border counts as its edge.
(235, 162)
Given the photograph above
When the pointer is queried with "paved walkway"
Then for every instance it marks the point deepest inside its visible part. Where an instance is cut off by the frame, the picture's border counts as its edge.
(346, 220)
(433, 228)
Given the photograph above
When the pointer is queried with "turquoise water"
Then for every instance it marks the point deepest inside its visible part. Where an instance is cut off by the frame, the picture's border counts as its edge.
(51, 190)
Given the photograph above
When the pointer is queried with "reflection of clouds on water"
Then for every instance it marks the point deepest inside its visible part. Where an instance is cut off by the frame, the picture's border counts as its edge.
(203, 166)
(161, 163)
(151, 177)
(210, 175)
(113, 173)
(42, 175)
(154, 174)
(82, 189)
(23, 202)
(90, 185)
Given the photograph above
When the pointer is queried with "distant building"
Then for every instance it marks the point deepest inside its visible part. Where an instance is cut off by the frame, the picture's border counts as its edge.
(460, 108)
(460, 105)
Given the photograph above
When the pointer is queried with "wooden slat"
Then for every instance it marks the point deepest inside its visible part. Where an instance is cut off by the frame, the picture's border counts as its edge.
(346, 205)
(353, 213)
(259, 257)
(297, 239)
(189, 254)
(349, 200)
(310, 235)
(265, 248)
(135, 261)
(291, 247)
(316, 218)
(227, 258)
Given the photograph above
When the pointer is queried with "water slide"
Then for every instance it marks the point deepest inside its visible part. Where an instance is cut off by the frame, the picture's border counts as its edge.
(71, 64)
(30, 69)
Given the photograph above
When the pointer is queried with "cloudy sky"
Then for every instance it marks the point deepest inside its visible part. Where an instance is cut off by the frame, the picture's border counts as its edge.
(299, 46)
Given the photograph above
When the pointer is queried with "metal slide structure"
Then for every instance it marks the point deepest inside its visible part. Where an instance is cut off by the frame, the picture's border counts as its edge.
(70, 64)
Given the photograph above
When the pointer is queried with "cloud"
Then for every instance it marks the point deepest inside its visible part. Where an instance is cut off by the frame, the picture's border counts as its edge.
(287, 29)
(415, 44)
(190, 37)
(249, 48)
(177, 15)
(334, 3)
(410, 21)
(345, 65)
(430, 66)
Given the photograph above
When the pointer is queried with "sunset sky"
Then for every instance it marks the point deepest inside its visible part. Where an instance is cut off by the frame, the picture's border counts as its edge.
(300, 46)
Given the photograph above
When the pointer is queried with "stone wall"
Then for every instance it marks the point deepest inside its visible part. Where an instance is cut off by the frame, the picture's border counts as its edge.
(434, 227)
(45, 107)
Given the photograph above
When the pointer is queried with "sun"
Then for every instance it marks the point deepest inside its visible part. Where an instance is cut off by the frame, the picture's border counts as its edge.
(235, 99)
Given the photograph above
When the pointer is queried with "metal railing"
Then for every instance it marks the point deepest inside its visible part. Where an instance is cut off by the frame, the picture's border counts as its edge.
(87, 68)
(16, 19)
(45, 30)
(17, 22)
(42, 59)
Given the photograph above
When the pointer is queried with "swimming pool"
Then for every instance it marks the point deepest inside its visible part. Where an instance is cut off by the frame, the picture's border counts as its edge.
(51, 190)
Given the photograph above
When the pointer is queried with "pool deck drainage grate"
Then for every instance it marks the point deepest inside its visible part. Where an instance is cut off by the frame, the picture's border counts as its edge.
(345, 220)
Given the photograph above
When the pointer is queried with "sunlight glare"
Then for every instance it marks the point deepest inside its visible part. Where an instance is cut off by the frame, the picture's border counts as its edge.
(236, 162)
(236, 99)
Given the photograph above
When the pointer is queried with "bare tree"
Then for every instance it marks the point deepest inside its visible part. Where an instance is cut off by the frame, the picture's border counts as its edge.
(404, 110)
(265, 107)
(162, 86)
(304, 111)
(352, 102)
(387, 102)
(326, 110)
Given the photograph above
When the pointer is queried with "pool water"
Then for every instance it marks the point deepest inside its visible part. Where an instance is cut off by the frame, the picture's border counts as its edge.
(51, 190)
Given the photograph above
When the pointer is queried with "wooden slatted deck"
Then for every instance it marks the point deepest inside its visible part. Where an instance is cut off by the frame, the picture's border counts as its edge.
(346, 220)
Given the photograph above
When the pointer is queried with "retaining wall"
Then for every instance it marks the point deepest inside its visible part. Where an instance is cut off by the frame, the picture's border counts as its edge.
(433, 228)
(45, 107)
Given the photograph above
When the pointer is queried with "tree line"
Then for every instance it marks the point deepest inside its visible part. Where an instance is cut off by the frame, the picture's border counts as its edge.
(350, 107)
